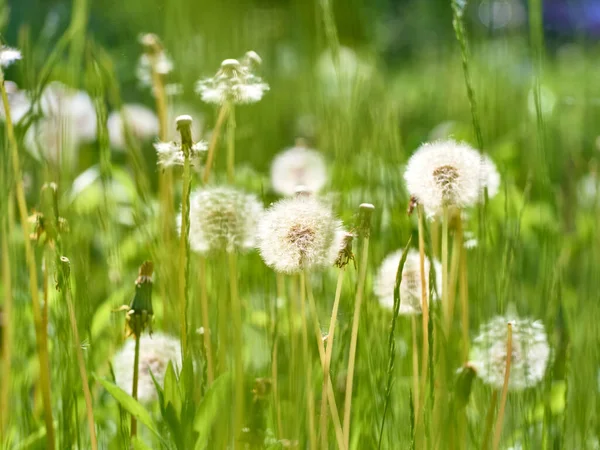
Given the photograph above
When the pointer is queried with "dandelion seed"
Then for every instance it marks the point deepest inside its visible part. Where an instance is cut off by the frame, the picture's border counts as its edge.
(298, 166)
(142, 123)
(410, 286)
(529, 358)
(234, 82)
(8, 56)
(445, 174)
(156, 352)
(223, 218)
(171, 154)
(299, 233)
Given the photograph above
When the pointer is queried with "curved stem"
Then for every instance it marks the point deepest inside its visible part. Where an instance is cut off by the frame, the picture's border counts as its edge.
(134, 389)
(236, 314)
(231, 145)
(415, 362)
(500, 419)
(354, 339)
(7, 333)
(40, 332)
(489, 420)
(206, 322)
(212, 147)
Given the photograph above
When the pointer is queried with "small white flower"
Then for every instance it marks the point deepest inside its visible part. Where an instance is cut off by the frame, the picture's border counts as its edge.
(164, 66)
(445, 173)
(298, 166)
(410, 286)
(223, 218)
(54, 140)
(234, 82)
(141, 122)
(19, 102)
(490, 178)
(171, 154)
(529, 357)
(8, 56)
(299, 233)
(155, 353)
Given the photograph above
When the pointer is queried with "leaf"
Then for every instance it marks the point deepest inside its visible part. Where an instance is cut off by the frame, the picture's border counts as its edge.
(138, 444)
(217, 397)
(171, 390)
(131, 405)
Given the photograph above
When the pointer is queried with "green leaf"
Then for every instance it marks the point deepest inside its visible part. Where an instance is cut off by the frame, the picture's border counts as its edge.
(131, 405)
(171, 390)
(138, 444)
(217, 397)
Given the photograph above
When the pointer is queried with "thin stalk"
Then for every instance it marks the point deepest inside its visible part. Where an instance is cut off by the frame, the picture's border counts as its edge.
(236, 314)
(184, 249)
(354, 339)
(489, 421)
(457, 245)
(214, 138)
(81, 362)
(445, 285)
(420, 414)
(134, 388)
(7, 333)
(231, 145)
(274, 366)
(464, 302)
(206, 322)
(500, 419)
(310, 402)
(328, 354)
(415, 362)
(322, 355)
(40, 332)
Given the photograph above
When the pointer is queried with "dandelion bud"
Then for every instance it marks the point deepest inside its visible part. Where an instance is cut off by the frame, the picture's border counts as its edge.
(64, 272)
(463, 385)
(184, 126)
(365, 211)
(230, 66)
(251, 60)
(345, 254)
(140, 311)
(173, 154)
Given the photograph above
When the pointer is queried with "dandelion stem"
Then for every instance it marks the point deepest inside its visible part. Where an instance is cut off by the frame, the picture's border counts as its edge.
(310, 402)
(236, 313)
(231, 145)
(184, 252)
(445, 288)
(212, 147)
(457, 245)
(206, 322)
(40, 331)
(274, 367)
(489, 421)
(464, 302)
(354, 338)
(134, 388)
(500, 419)
(7, 333)
(80, 360)
(328, 354)
(415, 362)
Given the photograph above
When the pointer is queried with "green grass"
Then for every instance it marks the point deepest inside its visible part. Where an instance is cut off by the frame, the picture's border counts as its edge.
(539, 248)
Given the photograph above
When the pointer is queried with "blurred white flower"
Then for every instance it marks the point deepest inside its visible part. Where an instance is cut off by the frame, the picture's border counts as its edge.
(342, 80)
(490, 178)
(529, 357)
(445, 173)
(587, 190)
(234, 82)
(18, 100)
(54, 140)
(298, 166)
(8, 56)
(155, 353)
(223, 218)
(410, 286)
(171, 154)
(298, 233)
(141, 122)
(164, 66)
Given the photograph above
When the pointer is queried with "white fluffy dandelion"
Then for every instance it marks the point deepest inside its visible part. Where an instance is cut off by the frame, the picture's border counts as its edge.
(298, 233)
(298, 166)
(171, 154)
(529, 358)
(8, 56)
(141, 122)
(19, 102)
(445, 173)
(490, 178)
(155, 353)
(164, 66)
(410, 286)
(234, 82)
(223, 218)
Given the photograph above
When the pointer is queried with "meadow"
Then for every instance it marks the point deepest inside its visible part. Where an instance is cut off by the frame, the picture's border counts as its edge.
(272, 225)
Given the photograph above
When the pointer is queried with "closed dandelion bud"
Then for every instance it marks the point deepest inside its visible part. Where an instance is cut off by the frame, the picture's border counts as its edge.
(529, 357)
(410, 285)
(299, 233)
(171, 154)
(140, 313)
(223, 219)
(365, 211)
(463, 385)
(184, 126)
(156, 352)
(298, 166)
(445, 174)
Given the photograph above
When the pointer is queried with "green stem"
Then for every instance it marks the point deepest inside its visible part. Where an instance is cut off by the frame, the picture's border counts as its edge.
(212, 147)
(40, 332)
(206, 322)
(7, 332)
(500, 419)
(310, 401)
(134, 389)
(236, 314)
(231, 145)
(184, 250)
(354, 339)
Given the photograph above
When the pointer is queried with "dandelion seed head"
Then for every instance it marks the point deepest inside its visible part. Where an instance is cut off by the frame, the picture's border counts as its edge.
(163, 65)
(299, 233)
(490, 176)
(410, 286)
(298, 166)
(170, 154)
(223, 218)
(444, 173)
(529, 357)
(155, 353)
(8, 56)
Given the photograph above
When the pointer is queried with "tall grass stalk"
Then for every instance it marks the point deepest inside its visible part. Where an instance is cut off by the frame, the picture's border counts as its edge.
(236, 314)
(464, 302)
(392, 341)
(457, 244)
(40, 332)
(134, 387)
(65, 270)
(275, 353)
(206, 322)
(214, 139)
(231, 145)
(365, 230)
(420, 413)
(328, 354)
(7, 332)
(500, 419)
